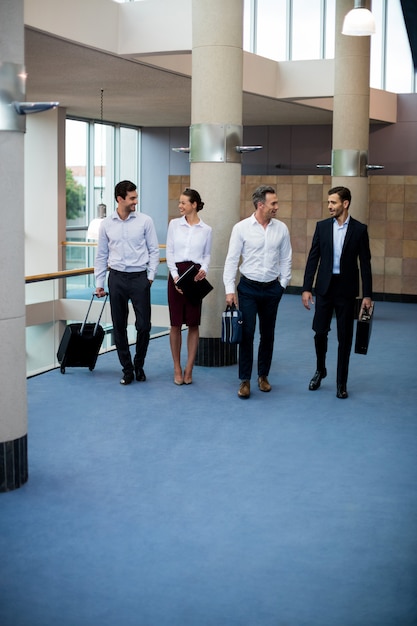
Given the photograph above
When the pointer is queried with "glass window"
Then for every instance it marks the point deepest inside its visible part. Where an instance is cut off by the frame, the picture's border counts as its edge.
(103, 168)
(399, 67)
(329, 34)
(77, 200)
(76, 146)
(129, 149)
(377, 47)
(91, 174)
(267, 23)
(96, 154)
(248, 26)
(306, 30)
(271, 29)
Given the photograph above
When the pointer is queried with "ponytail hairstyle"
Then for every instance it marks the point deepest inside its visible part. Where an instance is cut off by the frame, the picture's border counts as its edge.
(194, 196)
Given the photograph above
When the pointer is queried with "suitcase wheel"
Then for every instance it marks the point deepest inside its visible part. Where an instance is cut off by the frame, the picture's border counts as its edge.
(62, 370)
(91, 368)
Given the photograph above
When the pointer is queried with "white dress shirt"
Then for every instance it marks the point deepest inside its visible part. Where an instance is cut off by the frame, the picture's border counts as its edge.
(266, 253)
(188, 243)
(129, 245)
(339, 234)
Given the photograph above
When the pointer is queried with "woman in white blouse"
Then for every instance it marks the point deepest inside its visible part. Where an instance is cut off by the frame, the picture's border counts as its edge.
(188, 243)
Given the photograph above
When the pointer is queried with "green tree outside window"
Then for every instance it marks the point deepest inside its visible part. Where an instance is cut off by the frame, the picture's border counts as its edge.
(75, 196)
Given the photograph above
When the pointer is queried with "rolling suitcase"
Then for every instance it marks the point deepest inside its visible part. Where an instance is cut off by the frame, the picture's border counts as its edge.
(81, 342)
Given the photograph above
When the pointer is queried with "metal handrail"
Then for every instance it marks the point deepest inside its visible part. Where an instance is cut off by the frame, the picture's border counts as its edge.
(65, 274)
(162, 246)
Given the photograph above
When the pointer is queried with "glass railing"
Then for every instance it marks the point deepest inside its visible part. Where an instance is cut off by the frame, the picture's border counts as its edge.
(60, 298)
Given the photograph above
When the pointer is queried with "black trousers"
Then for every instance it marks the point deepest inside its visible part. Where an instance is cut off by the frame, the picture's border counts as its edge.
(133, 286)
(262, 300)
(336, 301)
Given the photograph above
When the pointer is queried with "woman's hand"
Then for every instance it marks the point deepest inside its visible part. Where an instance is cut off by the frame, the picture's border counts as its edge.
(177, 288)
(200, 275)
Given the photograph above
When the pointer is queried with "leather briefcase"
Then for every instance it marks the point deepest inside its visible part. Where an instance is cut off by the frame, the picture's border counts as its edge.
(363, 329)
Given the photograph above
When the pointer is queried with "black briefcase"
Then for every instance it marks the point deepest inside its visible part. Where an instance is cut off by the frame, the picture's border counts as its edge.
(81, 343)
(363, 329)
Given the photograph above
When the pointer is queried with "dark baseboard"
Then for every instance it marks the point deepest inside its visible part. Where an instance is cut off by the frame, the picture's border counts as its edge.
(395, 297)
(13, 464)
(378, 297)
(212, 352)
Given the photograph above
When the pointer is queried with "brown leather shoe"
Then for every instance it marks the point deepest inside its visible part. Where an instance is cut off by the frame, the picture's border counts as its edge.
(263, 384)
(244, 389)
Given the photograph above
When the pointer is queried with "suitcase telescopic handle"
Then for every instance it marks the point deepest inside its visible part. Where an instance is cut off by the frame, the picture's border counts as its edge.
(88, 311)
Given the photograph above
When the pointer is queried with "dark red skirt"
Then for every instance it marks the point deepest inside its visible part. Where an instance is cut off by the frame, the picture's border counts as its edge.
(181, 310)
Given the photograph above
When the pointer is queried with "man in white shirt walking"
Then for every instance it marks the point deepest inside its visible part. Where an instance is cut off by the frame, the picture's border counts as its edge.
(263, 243)
(128, 247)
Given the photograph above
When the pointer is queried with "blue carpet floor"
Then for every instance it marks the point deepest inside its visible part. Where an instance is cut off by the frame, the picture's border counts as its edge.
(158, 505)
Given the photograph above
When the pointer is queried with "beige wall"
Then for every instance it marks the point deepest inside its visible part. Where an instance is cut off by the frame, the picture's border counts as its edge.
(303, 201)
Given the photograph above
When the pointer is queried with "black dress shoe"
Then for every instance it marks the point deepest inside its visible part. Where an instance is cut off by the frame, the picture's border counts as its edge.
(140, 375)
(341, 392)
(127, 378)
(315, 382)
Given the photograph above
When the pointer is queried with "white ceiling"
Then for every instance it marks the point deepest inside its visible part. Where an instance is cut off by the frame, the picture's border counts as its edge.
(134, 93)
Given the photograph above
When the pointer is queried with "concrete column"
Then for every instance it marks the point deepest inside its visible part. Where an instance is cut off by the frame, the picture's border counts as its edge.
(351, 113)
(13, 404)
(216, 128)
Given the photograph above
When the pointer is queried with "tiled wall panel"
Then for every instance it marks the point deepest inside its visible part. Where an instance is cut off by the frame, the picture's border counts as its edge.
(303, 201)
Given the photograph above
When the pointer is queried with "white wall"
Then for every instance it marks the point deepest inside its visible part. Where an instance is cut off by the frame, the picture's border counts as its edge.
(44, 191)
(90, 22)
(153, 26)
(132, 28)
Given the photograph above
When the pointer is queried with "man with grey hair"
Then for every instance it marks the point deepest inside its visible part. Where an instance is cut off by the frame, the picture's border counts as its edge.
(263, 245)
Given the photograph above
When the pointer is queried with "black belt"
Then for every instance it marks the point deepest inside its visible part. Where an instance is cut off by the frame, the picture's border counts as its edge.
(128, 273)
(258, 282)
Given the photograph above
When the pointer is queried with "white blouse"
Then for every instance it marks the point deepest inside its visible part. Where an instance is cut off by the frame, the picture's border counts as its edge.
(188, 243)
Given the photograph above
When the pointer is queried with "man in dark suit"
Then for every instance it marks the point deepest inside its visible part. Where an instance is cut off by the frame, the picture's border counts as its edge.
(338, 243)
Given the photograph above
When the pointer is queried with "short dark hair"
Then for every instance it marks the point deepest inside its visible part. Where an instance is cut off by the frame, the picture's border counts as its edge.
(342, 192)
(123, 188)
(259, 195)
(194, 196)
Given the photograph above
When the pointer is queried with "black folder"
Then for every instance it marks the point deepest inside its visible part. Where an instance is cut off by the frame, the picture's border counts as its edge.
(193, 290)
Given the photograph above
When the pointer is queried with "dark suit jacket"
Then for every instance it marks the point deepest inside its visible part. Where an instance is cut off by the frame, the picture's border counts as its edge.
(320, 259)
